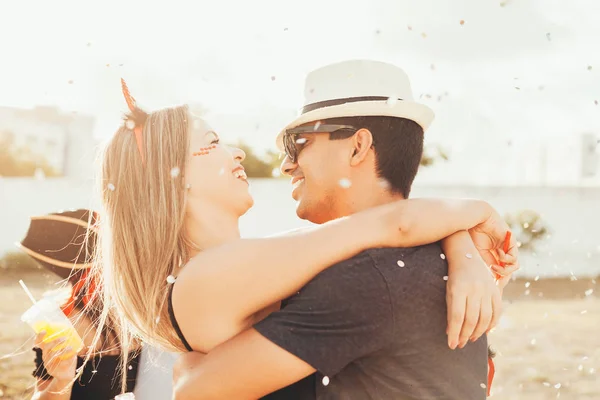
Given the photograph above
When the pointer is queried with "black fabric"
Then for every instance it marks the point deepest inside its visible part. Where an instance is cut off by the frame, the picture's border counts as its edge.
(100, 379)
(378, 330)
(174, 320)
(336, 102)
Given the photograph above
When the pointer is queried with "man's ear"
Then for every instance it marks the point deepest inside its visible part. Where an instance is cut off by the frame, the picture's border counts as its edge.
(362, 141)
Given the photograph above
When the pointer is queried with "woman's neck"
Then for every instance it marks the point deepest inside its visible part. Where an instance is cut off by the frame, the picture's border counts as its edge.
(208, 228)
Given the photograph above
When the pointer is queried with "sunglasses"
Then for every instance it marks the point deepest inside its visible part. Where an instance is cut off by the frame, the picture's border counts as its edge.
(292, 145)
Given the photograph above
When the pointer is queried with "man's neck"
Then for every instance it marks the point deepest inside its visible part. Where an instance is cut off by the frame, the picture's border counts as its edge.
(362, 197)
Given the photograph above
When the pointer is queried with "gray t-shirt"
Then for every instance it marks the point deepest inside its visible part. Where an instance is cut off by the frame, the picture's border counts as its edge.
(375, 326)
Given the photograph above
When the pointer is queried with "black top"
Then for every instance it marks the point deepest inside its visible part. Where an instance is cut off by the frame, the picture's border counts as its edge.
(303, 389)
(100, 379)
(375, 326)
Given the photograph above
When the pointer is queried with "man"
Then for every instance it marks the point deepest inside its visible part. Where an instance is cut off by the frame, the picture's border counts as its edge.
(373, 326)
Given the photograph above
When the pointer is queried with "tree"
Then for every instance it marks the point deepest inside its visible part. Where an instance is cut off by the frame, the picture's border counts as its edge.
(528, 226)
(16, 162)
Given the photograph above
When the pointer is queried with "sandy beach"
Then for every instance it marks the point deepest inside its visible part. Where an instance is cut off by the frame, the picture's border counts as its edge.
(547, 341)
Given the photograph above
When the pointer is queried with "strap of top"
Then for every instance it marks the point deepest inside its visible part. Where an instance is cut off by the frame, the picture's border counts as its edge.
(174, 321)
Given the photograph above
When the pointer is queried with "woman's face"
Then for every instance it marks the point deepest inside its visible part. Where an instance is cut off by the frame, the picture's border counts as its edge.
(214, 171)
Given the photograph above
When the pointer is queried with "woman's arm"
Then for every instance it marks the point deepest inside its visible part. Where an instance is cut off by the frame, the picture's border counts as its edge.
(233, 281)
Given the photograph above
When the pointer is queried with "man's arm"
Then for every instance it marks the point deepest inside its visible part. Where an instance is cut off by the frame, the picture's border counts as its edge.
(248, 366)
(343, 314)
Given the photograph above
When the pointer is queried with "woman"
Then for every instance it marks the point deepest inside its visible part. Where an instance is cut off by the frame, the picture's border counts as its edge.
(172, 197)
(58, 243)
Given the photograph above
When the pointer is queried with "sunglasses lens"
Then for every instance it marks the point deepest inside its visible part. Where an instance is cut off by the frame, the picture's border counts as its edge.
(290, 147)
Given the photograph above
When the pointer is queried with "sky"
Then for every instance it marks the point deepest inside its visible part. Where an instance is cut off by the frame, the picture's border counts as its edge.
(514, 74)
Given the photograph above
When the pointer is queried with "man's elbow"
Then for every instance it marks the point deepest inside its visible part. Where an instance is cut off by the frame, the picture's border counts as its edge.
(191, 388)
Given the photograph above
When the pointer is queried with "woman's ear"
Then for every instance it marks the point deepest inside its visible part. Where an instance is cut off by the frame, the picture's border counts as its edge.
(362, 141)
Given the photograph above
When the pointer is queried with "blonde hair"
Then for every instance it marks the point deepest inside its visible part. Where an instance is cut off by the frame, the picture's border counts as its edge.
(142, 237)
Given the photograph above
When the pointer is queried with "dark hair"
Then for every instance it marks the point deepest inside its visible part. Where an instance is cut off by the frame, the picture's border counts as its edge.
(398, 144)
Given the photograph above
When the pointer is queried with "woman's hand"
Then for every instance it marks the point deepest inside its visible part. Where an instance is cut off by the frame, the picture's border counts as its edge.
(489, 238)
(59, 361)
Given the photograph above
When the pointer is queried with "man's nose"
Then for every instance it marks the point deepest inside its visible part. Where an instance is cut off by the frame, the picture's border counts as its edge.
(287, 166)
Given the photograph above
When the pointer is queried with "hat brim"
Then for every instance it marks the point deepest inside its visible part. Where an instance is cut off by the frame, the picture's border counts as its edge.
(417, 112)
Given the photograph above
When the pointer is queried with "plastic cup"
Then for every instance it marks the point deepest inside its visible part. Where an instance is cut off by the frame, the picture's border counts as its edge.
(46, 315)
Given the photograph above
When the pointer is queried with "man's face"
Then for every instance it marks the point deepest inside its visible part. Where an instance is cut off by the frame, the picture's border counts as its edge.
(319, 175)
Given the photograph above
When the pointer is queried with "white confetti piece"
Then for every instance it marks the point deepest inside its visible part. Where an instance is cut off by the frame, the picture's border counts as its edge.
(527, 284)
(130, 124)
(111, 187)
(130, 367)
(171, 279)
(527, 292)
(580, 367)
(584, 312)
(557, 386)
(222, 171)
(547, 384)
(157, 320)
(446, 277)
(469, 255)
(443, 256)
(483, 385)
(345, 183)
(301, 141)
(325, 381)
(400, 263)
(188, 186)
(589, 292)
(533, 342)
(392, 100)
(175, 172)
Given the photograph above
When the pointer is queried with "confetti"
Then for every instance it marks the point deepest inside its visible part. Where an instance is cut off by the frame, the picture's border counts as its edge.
(157, 320)
(424, 35)
(171, 279)
(527, 292)
(130, 367)
(175, 172)
(580, 367)
(446, 277)
(222, 171)
(527, 284)
(345, 183)
(301, 141)
(584, 312)
(188, 186)
(325, 381)
(130, 124)
(94, 371)
(547, 384)
(483, 386)
(111, 187)
(589, 292)
(469, 255)
(317, 125)
(537, 278)
(384, 183)
(442, 256)
(557, 386)
(400, 263)
(533, 342)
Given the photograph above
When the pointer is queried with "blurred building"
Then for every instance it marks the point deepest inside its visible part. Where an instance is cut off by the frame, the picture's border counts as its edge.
(64, 140)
